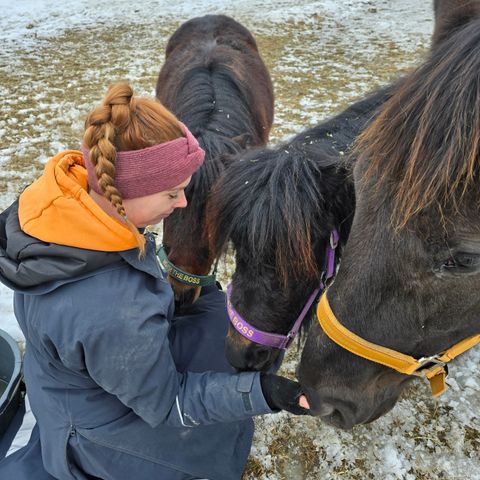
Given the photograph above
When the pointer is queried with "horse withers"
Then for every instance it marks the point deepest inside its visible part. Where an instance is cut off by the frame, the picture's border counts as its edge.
(410, 274)
(216, 83)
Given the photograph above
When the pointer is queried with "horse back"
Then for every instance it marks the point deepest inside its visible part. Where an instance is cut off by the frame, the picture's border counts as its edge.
(214, 79)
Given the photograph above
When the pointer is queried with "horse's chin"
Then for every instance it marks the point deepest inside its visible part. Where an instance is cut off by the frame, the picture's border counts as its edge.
(185, 297)
(338, 419)
(344, 414)
(382, 409)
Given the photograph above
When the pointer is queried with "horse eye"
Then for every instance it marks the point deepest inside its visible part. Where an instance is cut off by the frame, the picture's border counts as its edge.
(466, 260)
(462, 262)
(450, 263)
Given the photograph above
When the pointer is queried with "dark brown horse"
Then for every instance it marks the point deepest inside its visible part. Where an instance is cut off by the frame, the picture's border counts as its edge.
(216, 83)
(410, 273)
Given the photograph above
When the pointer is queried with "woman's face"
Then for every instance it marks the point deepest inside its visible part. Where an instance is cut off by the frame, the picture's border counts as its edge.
(152, 209)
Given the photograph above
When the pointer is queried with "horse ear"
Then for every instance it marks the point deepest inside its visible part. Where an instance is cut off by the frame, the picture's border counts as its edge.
(244, 140)
(451, 15)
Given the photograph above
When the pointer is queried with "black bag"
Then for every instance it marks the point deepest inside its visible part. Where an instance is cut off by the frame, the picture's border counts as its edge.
(11, 384)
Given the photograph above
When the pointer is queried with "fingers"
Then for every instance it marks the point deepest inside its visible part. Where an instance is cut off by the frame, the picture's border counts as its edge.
(284, 394)
(303, 402)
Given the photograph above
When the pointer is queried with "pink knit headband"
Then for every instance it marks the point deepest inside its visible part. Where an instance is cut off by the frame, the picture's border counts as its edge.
(153, 169)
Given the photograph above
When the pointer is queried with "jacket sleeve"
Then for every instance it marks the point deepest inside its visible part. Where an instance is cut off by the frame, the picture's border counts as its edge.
(129, 356)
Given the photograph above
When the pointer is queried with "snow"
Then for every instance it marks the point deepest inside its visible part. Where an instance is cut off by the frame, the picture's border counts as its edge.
(56, 60)
(50, 17)
(25, 430)
(8, 322)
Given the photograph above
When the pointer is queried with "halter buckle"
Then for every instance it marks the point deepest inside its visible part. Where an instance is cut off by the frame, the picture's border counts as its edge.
(427, 363)
(333, 240)
(289, 337)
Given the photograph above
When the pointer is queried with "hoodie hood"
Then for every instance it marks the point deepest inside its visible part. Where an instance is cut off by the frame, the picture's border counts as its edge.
(57, 208)
(55, 233)
(27, 263)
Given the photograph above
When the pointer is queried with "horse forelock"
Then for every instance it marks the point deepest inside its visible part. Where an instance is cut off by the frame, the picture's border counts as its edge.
(273, 206)
(216, 104)
(422, 150)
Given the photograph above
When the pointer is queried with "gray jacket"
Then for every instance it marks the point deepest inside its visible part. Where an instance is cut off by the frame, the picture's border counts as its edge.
(99, 366)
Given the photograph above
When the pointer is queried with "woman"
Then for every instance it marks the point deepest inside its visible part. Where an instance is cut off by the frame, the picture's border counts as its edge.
(100, 365)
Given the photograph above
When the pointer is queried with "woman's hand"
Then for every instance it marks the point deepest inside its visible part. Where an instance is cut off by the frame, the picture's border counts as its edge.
(283, 394)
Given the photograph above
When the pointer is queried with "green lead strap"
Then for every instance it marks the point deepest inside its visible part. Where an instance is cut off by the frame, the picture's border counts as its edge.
(182, 276)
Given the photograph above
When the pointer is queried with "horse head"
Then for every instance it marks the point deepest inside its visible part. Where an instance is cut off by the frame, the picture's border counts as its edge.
(278, 207)
(410, 274)
(215, 81)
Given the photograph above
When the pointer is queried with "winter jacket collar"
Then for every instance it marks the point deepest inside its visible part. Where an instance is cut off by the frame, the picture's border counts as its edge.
(31, 265)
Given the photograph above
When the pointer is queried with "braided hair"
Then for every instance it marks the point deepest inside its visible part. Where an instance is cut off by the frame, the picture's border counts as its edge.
(123, 123)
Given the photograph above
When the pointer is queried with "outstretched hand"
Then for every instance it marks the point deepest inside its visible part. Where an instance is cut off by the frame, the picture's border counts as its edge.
(283, 394)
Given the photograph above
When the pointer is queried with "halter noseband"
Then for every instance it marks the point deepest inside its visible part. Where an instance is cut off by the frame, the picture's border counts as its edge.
(434, 367)
(277, 340)
(182, 276)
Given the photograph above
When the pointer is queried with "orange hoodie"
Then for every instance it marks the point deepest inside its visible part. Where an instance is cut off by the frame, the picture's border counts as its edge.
(57, 208)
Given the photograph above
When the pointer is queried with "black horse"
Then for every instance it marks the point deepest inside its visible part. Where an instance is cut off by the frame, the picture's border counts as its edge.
(215, 81)
(410, 273)
(278, 206)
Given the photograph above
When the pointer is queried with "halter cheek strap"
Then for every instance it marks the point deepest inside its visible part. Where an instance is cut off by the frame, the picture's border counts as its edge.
(277, 340)
(434, 368)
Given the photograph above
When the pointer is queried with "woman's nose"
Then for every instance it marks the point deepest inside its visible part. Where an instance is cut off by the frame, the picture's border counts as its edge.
(182, 200)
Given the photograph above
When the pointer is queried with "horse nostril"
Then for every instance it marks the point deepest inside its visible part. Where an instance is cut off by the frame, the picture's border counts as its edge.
(324, 410)
(342, 418)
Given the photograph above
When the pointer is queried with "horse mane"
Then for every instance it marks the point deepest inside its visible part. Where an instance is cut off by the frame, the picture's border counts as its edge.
(274, 202)
(208, 87)
(422, 150)
(201, 183)
(214, 109)
(215, 112)
(214, 101)
(283, 196)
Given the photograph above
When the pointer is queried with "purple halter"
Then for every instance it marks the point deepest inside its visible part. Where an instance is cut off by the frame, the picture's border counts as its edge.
(275, 339)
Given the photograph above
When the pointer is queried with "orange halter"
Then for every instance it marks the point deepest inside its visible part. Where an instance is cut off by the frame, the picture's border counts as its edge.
(433, 368)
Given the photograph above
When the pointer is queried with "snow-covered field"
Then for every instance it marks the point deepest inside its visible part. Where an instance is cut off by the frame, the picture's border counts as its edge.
(56, 60)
